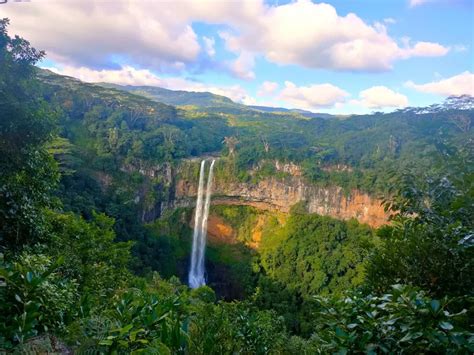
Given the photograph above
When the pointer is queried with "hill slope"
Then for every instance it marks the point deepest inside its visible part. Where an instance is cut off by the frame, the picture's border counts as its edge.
(177, 97)
(206, 101)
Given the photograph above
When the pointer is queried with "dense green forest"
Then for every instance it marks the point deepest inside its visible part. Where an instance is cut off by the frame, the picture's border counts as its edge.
(86, 267)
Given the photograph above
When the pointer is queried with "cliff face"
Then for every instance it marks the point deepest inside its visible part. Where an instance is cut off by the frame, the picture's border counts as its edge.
(268, 194)
(280, 195)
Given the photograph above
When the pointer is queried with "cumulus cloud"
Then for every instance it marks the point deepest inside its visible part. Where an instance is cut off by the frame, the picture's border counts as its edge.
(132, 76)
(315, 36)
(426, 49)
(159, 35)
(267, 88)
(312, 96)
(381, 97)
(242, 67)
(93, 33)
(461, 84)
(209, 46)
(123, 76)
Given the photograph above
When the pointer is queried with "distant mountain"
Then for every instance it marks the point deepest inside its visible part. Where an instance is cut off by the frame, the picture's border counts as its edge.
(207, 100)
(212, 103)
(304, 113)
(177, 97)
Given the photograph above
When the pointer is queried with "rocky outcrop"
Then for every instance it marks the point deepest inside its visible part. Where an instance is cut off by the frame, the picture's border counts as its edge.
(156, 191)
(289, 168)
(274, 194)
(282, 194)
(161, 171)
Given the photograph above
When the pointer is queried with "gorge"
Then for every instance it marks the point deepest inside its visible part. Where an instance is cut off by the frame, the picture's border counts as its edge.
(273, 193)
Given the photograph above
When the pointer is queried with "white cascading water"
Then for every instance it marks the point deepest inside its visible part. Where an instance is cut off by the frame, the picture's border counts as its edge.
(197, 269)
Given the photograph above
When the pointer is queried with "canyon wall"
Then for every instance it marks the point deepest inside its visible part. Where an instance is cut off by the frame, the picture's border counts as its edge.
(282, 194)
(274, 194)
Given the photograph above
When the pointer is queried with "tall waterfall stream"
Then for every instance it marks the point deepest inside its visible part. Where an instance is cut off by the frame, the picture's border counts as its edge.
(197, 269)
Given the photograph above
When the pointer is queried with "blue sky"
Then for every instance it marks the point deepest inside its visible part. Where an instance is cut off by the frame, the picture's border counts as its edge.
(342, 56)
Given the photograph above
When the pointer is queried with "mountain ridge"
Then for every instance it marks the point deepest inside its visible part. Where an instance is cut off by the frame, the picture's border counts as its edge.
(206, 99)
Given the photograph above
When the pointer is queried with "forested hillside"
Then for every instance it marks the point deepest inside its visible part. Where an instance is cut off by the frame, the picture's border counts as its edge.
(180, 98)
(367, 148)
(92, 262)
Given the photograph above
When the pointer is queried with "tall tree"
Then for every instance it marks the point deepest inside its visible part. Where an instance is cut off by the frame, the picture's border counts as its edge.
(27, 171)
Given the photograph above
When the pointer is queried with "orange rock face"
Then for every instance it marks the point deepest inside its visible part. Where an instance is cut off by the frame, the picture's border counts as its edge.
(280, 195)
(220, 232)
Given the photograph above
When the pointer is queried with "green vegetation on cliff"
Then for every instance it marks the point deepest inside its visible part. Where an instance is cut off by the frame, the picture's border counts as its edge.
(312, 254)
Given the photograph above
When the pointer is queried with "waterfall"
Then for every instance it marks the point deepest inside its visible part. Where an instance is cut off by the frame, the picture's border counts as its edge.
(197, 269)
(193, 278)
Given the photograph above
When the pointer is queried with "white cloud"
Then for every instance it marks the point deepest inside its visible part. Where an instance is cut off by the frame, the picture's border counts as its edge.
(124, 76)
(390, 20)
(461, 84)
(242, 66)
(209, 44)
(312, 96)
(131, 76)
(313, 35)
(426, 49)
(380, 97)
(159, 35)
(414, 3)
(267, 88)
(90, 33)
